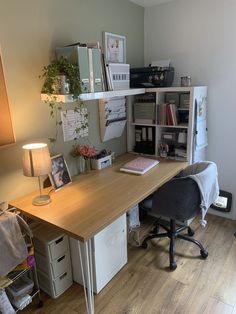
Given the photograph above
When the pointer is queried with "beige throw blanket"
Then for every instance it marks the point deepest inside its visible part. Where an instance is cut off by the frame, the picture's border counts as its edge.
(13, 249)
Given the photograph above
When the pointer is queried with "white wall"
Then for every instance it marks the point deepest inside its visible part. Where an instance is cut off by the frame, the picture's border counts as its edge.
(199, 38)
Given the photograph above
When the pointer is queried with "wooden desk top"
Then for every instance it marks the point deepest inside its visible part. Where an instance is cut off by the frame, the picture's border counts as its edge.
(96, 199)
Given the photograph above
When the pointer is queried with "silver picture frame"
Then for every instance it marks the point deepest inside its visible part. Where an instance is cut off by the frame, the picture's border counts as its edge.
(114, 48)
(60, 175)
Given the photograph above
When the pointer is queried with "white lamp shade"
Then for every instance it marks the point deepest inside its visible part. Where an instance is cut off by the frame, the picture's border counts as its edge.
(36, 160)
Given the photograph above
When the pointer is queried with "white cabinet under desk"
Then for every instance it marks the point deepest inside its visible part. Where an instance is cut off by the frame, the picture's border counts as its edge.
(109, 254)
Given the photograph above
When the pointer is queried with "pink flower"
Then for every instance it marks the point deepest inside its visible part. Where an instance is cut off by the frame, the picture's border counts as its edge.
(83, 150)
(86, 151)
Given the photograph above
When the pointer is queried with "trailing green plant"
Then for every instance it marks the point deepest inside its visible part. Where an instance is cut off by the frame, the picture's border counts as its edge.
(50, 74)
(56, 68)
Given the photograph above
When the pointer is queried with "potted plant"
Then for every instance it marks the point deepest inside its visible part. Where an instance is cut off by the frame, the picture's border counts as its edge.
(62, 77)
(85, 153)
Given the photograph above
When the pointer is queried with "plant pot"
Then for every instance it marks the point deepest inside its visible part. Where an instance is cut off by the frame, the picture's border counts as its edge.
(61, 85)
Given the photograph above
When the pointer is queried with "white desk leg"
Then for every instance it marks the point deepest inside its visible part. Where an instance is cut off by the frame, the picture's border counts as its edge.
(87, 274)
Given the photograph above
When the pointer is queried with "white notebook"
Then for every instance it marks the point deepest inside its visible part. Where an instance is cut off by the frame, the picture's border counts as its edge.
(139, 165)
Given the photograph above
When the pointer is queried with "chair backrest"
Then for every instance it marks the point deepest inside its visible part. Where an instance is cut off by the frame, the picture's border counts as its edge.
(177, 199)
(205, 174)
(190, 193)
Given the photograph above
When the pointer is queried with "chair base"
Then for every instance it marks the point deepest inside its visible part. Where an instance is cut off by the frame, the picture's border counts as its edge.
(172, 233)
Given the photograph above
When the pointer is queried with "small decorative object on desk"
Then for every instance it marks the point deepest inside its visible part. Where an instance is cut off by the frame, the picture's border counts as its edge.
(60, 175)
(85, 153)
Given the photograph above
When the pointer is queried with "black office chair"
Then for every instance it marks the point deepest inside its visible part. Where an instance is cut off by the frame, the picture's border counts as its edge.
(178, 199)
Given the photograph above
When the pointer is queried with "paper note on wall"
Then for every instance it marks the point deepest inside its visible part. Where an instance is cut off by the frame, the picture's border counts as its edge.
(74, 124)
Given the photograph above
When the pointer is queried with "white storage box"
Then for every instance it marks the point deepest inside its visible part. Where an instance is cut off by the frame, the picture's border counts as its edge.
(98, 164)
(20, 288)
(120, 75)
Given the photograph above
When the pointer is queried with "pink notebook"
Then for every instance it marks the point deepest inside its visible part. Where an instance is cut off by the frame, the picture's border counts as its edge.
(139, 165)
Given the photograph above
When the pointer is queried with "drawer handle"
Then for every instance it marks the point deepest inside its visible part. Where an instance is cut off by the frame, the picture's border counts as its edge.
(59, 240)
(63, 276)
(61, 258)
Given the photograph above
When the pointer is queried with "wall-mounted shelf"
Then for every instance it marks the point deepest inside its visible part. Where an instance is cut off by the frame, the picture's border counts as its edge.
(95, 96)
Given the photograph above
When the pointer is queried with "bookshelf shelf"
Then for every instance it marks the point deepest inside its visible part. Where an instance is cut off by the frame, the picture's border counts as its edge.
(179, 126)
(94, 96)
(145, 124)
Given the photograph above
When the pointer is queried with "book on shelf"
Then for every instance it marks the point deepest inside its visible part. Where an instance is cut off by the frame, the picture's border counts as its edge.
(104, 74)
(117, 76)
(110, 86)
(173, 112)
(95, 69)
(88, 45)
(147, 97)
(167, 114)
(139, 165)
(120, 75)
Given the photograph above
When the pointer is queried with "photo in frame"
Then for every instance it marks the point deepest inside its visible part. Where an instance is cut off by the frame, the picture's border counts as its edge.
(114, 48)
(60, 175)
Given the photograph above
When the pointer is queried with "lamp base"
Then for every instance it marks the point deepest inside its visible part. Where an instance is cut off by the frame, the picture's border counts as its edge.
(41, 200)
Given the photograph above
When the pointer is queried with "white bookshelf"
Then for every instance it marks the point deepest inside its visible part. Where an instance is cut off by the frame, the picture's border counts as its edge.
(195, 126)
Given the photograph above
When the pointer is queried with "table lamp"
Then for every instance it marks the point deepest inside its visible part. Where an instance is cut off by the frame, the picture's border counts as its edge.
(37, 162)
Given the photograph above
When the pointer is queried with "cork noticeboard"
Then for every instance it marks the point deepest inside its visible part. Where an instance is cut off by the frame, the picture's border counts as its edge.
(6, 130)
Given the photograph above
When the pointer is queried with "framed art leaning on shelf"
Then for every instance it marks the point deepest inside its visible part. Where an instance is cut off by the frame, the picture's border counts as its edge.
(114, 48)
(60, 175)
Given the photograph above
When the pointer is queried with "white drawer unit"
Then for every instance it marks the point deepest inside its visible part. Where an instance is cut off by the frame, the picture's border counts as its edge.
(55, 287)
(50, 242)
(56, 267)
(109, 254)
(52, 255)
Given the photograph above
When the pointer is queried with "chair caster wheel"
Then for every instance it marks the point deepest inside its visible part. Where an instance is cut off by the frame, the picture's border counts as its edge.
(190, 232)
(144, 245)
(204, 254)
(173, 266)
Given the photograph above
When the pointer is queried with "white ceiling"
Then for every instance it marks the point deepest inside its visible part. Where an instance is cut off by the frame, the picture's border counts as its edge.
(149, 3)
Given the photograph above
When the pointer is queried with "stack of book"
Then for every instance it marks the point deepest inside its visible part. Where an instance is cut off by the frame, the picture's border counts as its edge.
(95, 74)
(167, 114)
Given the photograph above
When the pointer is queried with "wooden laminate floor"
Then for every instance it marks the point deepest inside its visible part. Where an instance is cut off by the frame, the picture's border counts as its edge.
(146, 286)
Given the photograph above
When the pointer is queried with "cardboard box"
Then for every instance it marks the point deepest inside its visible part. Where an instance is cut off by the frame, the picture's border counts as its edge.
(172, 98)
(145, 112)
(184, 100)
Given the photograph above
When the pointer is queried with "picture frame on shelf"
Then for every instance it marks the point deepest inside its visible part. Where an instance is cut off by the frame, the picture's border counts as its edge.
(60, 175)
(114, 48)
